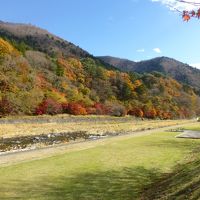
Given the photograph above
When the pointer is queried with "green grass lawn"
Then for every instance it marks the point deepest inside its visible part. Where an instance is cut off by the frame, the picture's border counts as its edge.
(118, 170)
(182, 183)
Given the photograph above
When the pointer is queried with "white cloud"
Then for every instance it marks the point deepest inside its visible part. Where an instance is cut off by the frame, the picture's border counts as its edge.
(196, 65)
(157, 50)
(177, 5)
(141, 50)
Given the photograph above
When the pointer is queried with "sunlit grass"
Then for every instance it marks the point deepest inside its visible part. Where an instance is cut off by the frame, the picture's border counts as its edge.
(182, 182)
(116, 170)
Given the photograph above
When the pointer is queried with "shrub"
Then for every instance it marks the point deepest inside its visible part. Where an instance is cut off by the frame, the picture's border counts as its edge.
(117, 110)
(64, 107)
(101, 109)
(91, 111)
(76, 109)
(48, 106)
(136, 112)
(5, 107)
(150, 113)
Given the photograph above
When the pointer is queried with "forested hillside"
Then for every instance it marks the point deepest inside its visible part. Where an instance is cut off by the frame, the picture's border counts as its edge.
(43, 74)
(170, 67)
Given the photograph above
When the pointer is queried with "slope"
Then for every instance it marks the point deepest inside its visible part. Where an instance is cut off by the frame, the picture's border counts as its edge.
(181, 183)
(168, 66)
(43, 74)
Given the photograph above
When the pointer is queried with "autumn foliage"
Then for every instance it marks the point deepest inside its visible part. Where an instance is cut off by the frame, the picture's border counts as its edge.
(5, 48)
(100, 109)
(5, 107)
(36, 83)
(138, 112)
(48, 106)
(76, 109)
(188, 14)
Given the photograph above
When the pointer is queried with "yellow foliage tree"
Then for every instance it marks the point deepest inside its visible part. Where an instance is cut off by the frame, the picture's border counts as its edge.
(5, 48)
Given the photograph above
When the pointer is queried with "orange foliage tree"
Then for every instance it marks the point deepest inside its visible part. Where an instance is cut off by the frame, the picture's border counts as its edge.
(136, 112)
(76, 109)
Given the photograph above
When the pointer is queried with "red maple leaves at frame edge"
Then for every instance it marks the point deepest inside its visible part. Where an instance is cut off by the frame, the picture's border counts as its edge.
(188, 14)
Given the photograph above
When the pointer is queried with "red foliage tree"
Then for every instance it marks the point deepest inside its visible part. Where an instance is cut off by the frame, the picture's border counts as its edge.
(64, 107)
(5, 107)
(48, 106)
(150, 113)
(101, 109)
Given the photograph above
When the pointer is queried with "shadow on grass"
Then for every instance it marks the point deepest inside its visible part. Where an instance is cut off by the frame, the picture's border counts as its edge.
(117, 185)
(182, 183)
(126, 184)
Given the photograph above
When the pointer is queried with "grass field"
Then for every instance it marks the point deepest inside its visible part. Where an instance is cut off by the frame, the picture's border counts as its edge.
(120, 170)
(182, 183)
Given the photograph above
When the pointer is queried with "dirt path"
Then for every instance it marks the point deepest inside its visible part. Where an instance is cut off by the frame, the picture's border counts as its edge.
(34, 154)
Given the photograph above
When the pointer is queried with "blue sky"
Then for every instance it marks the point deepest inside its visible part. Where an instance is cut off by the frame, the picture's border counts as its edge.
(133, 29)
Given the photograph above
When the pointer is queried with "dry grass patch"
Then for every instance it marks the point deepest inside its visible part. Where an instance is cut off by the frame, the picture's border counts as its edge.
(91, 124)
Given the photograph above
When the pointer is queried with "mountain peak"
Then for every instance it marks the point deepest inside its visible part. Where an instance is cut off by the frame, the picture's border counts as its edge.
(40, 39)
(120, 63)
(180, 71)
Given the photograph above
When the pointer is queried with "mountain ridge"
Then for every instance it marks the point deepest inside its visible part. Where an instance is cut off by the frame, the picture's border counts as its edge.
(180, 71)
(43, 74)
(37, 37)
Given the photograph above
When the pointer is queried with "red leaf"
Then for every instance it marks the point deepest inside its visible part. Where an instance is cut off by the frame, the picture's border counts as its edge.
(198, 14)
(192, 13)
